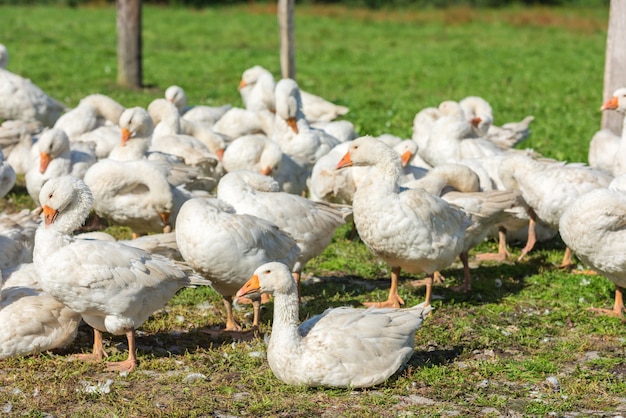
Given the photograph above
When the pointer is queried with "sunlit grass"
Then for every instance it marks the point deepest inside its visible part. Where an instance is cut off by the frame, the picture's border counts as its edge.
(495, 347)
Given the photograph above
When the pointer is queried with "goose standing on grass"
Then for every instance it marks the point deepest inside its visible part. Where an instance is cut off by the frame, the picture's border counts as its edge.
(225, 247)
(549, 187)
(113, 286)
(594, 227)
(311, 224)
(409, 229)
(342, 347)
(607, 151)
(21, 99)
(458, 185)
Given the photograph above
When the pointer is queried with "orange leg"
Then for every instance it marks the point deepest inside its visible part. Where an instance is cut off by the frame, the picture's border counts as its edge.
(98, 352)
(567, 262)
(532, 236)
(503, 252)
(467, 277)
(394, 300)
(428, 282)
(231, 324)
(130, 363)
(618, 306)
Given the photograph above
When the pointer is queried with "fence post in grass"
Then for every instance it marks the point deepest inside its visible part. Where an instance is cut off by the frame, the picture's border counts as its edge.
(287, 38)
(129, 43)
(615, 62)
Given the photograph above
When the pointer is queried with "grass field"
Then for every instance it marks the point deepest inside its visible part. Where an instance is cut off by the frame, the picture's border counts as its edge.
(488, 353)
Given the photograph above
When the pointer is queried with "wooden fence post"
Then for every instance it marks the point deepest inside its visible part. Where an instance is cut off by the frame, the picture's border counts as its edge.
(615, 62)
(287, 38)
(129, 71)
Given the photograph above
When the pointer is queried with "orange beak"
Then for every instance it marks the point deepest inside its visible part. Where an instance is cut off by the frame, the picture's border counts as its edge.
(612, 104)
(266, 171)
(49, 215)
(242, 84)
(406, 157)
(293, 124)
(346, 161)
(251, 286)
(219, 153)
(44, 160)
(475, 121)
(125, 136)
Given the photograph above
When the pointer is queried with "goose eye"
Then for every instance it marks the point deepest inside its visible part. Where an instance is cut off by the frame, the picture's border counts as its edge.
(267, 272)
(50, 196)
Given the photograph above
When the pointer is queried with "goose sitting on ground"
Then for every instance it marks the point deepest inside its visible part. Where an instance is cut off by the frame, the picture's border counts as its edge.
(293, 132)
(7, 176)
(225, 247)
(478, 111)
(21, 99)
(56, 158)
(113, 286)
(594, 227)
(32, 322)
(315, 108)
(409, 229)
(342, 347)
(136, 194)
(17, 235)
(206, 115)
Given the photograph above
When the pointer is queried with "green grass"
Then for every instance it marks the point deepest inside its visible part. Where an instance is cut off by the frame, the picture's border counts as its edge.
(486, 352)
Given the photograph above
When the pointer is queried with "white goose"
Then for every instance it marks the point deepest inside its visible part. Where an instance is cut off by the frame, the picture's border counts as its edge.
(316, 108)
(226, 247)
(452, 138)
(56, 158)
(114, 287)
(206, 115)
(478, 111)
(32, 322)
(263, 155)
(594, 227)
(181, 154)
(342, 347)
(549, 187)
(607, 151)
(409, 229)
(311, 224)
(17, 235)
(21, 99)
(169, 137)
(7, 176)
(136, 194)
(292, 130)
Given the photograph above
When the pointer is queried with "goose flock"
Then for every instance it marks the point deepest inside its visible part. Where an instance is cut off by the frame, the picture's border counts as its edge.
(241, 198)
